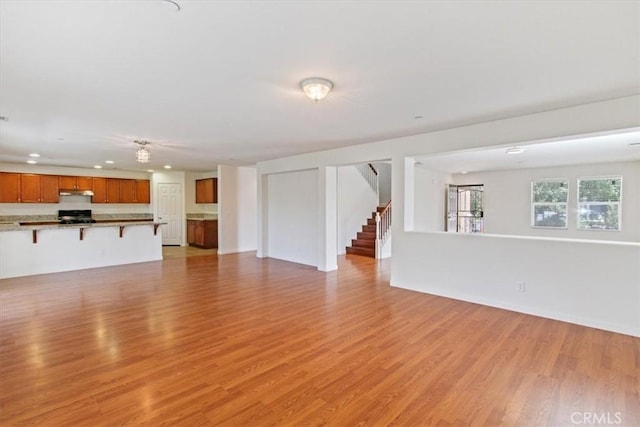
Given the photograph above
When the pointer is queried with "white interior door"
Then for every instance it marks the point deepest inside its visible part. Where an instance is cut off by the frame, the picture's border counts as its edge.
(170, 211)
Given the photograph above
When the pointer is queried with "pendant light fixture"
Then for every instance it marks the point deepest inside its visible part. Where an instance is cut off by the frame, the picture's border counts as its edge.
(316, 88)
(143, 155)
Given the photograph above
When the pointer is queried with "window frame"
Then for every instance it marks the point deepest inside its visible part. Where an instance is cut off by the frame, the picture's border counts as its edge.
(579, 203)
(534, 204)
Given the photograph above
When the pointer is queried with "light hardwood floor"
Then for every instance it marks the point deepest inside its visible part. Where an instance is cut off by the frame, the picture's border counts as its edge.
(236, 340)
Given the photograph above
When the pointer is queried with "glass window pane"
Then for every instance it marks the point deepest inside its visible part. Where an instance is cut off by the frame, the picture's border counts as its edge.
(599, 190)
(550, 191)
(550, 215)
(598, 217)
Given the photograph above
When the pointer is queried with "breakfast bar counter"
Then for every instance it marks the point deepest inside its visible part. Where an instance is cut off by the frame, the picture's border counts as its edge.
(47, 247)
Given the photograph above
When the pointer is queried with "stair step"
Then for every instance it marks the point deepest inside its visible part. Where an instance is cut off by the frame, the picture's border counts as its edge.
(380, 208)
(371, 221)
(363, 243)
(366, 235)
(362, 251)
(369, 228)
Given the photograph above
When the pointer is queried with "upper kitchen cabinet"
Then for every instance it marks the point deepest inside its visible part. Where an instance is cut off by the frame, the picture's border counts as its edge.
(9, 187)
(143, 191)
(106, 190)
(28, 188)
(127, 191)
(119, 190)
(207, 190)
(75, 182)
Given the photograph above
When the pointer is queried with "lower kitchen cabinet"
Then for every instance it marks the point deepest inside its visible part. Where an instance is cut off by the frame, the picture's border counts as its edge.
(202, 233)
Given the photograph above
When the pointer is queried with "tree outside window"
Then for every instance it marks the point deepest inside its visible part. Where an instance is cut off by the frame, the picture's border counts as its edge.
(549, 200)
(599, 203)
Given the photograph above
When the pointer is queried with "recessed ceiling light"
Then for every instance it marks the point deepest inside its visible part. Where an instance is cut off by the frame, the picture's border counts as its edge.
(97, 166)
(150, 170)
(515, 150)
(31, 162)
(109, 162)
(167, 166)
(463, 172)
(34, 155)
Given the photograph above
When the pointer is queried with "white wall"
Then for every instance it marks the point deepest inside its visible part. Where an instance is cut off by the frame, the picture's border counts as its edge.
(429, 199)
(586, 282)
(237, 209)
(410, 252)
(293, 216)
(384, 181)
(356, 201)
(507, 194)
(190, 194)
(73, 202)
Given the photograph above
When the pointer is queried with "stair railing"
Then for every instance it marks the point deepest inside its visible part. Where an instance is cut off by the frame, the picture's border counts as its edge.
(370, 174)
(383, 228)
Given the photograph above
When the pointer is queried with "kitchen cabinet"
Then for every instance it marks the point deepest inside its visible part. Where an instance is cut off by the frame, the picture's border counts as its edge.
(135, 191)
(207, 190)
(143, 191)
(202, 233)
(50, 191)
(127, 190)
(9, 187)
(75, 182)
(99, 188)
(112, 190)
(39, 188)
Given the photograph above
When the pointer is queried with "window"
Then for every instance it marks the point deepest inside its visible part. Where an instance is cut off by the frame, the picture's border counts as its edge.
(465, 208)
(599, 202)
(549, 199)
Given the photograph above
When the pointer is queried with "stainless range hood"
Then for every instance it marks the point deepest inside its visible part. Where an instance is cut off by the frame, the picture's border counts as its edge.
(76, 192)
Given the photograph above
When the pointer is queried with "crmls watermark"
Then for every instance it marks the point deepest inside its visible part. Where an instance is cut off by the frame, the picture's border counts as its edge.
(596, 418)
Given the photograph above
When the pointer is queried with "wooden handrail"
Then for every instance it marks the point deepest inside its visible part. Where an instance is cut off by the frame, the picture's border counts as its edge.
(386, 207)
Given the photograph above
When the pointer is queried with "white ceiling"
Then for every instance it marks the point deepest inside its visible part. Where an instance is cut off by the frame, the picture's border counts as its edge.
(619, 147)
(217, 81)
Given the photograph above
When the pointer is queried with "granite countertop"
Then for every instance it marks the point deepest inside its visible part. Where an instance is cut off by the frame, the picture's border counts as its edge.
(202, 216)
(55, 226)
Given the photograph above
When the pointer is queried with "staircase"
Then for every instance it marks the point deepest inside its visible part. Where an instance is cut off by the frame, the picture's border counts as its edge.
(365, 242)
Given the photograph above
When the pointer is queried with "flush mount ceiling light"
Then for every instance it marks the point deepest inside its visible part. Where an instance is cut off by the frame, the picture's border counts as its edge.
(143, 155)
(515, 150)
(316, 88)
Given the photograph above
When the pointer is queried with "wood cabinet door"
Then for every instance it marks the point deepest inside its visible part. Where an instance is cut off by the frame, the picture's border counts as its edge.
(199, 233)
(143, 191)
(84, 183)
(113, 190)
(9, 187)
(127, 191)
(99, 187)
(206, 190)
(191, 232)
(67, 182)
(49, 190)
(30, 188)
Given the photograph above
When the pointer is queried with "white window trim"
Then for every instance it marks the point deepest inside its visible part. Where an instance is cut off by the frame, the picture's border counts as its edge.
(618, 203)
(534, 204)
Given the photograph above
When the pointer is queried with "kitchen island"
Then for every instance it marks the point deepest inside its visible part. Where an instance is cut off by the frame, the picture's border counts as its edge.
(49, 247)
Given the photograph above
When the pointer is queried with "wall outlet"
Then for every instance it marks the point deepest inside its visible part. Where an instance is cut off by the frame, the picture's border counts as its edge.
(521, 287)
